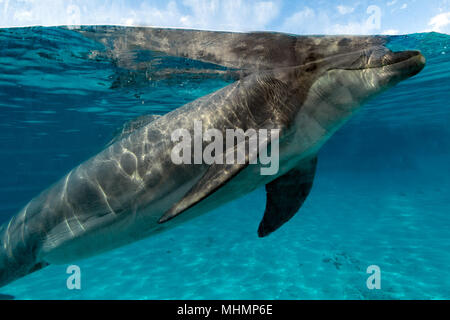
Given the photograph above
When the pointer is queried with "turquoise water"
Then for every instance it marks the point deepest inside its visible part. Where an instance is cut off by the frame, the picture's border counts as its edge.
(380, 197)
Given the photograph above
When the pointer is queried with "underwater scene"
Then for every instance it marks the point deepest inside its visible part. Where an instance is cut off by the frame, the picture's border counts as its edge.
(380, 195)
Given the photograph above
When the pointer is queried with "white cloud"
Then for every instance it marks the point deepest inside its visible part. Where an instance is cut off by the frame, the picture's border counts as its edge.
(440, 23)
(23, 16)
(404, 6)
(344, 9)
(391, 32)
(305, 21)
(391, 3)
(61, 12)
(232, 15)
(310, 21)
(351, 28)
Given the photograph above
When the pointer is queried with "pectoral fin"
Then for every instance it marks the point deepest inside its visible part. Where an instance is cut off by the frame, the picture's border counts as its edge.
(285, 196)
(215, 177)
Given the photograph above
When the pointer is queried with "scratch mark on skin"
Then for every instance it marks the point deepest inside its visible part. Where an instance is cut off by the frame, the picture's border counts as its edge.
(105, 197)
(65, 200)
(24, 222)
(8, 247)
(68, 226)
(64, 193)
(79, 222)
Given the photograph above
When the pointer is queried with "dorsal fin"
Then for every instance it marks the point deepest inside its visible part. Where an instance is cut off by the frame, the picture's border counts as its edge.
(132, 125)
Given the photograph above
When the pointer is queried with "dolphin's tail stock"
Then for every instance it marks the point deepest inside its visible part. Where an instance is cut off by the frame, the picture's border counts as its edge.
(18, 251)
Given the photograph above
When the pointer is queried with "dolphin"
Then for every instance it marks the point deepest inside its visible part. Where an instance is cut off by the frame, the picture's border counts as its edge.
(306, 87)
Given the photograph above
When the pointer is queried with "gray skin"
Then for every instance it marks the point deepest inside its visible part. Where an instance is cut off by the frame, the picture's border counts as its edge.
(305, 86)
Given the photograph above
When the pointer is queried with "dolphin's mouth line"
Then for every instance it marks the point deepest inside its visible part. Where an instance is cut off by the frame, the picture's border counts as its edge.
(399, 58)
(412, 56)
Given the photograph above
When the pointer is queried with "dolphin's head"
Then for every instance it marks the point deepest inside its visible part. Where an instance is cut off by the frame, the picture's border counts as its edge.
(342, 83)
(369, 71)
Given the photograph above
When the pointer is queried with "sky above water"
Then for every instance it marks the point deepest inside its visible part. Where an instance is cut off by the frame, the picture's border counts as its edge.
(299, 17)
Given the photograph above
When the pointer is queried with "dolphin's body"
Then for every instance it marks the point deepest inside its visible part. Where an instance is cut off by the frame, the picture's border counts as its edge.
(306, 87)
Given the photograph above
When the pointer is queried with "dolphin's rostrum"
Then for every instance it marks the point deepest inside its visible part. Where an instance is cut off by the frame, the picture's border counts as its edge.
(306, 87)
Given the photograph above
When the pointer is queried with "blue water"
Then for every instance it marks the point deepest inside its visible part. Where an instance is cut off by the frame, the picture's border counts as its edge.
(380, 197)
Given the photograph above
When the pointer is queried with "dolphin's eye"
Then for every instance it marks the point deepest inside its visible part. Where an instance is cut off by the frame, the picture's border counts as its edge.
(312, 57)
(311, 68)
